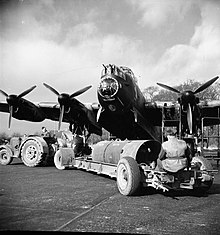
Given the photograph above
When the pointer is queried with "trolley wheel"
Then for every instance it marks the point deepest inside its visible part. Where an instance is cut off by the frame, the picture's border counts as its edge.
(5, 156)
(205, 165)
(57, 160)
(128, 176)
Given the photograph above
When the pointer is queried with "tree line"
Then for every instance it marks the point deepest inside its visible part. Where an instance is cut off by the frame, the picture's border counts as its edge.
(155, 93)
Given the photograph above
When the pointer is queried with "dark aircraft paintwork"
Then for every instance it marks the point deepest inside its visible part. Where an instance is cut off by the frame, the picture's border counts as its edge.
(121, 108)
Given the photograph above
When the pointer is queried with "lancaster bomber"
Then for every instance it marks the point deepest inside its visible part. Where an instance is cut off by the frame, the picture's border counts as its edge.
(137, 125)
(121, 108)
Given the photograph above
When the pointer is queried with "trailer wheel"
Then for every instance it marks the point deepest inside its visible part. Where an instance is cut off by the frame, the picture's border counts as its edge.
(5, 156)
(57, 160)
(31, 154)
(205, 165)
(128, 176)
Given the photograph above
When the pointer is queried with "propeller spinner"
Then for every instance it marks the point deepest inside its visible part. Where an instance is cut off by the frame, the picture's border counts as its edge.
(14, 101)
(188, 98)
(65, 100)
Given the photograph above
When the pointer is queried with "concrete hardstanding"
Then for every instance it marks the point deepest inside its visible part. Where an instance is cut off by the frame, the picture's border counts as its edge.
(46, 199)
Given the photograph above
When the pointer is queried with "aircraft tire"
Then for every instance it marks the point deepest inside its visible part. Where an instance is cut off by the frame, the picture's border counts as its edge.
(57, 160)
(128, 176)
(205, 165)
(32, 154)
(5, 155)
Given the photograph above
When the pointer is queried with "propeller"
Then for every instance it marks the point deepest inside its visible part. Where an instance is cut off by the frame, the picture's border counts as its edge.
(168, 87)
(188, 98)
(65, 100)
(189, 118)
(14, 100)
(201, 88)
(205, 85)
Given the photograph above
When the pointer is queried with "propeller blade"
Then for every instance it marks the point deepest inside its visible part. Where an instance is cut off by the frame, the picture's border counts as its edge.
(205, 85)
(61, 116)
(189, 118)
(79, 92)
(168, 87)
(100, 110)
(52, 89)
(27, 91)
(10, 116)
(4, 93)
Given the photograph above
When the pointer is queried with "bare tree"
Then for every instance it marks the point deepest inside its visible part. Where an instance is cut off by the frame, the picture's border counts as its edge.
(150, 92)
(211, 93)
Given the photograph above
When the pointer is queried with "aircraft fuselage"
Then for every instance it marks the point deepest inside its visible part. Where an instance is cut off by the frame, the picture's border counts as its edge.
(123, 105)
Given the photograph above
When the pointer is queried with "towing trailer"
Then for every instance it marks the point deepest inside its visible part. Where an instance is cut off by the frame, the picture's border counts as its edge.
(132, 163)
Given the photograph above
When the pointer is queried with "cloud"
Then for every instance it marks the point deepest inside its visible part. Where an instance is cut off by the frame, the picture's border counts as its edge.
(158, 13)
(47, 41)
(79, 33)
(68, 66)
(198, 60)
(207, 35)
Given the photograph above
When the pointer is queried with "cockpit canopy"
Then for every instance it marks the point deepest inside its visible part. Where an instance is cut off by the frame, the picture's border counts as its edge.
(118, 71)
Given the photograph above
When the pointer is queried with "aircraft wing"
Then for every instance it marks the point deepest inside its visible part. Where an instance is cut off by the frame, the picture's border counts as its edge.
(85, 114)
(51, 110)
(210, 112)
(154, 112)
(4, 107)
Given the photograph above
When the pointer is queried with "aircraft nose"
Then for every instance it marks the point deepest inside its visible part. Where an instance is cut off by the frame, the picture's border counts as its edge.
(108, 87)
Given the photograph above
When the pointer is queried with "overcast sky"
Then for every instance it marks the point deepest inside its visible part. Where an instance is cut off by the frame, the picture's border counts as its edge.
(65, 43)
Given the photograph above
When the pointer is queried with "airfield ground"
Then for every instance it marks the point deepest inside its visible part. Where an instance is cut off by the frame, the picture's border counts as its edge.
(47, 199)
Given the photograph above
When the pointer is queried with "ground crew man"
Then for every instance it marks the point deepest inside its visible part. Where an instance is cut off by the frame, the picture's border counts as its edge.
(175, 153)
(45, 132)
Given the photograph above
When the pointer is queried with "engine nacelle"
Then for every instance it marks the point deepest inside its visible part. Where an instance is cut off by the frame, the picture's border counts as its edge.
(143, 151)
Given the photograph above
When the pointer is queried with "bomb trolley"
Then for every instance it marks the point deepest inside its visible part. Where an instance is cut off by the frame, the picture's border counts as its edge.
(132, 163)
